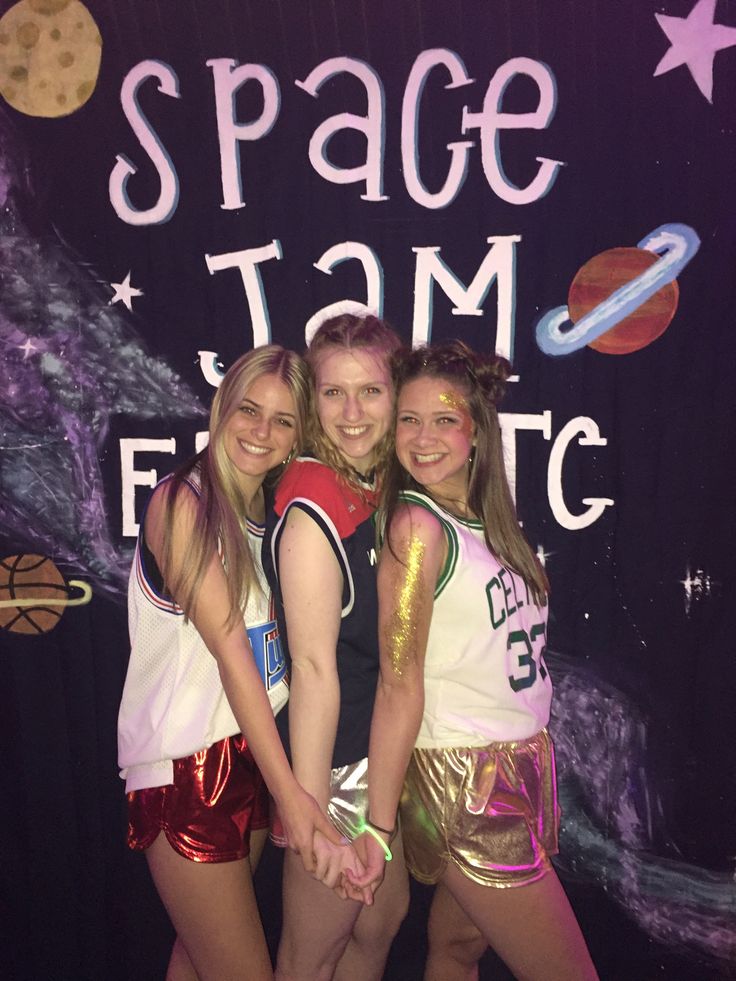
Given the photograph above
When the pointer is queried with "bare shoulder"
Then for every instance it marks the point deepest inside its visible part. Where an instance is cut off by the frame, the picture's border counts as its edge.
(411, 521)
(416, 536)
(183, 513)
(305, 548)
(300, 529)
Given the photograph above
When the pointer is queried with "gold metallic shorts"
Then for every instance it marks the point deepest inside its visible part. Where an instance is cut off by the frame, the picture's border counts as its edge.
(490, 810)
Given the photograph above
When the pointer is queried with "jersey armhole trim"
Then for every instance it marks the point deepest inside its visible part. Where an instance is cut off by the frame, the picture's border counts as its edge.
(148, 589)
(453, 547)
(328, 528)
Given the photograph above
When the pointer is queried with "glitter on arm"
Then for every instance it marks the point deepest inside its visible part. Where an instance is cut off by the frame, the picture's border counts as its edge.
(400, 633)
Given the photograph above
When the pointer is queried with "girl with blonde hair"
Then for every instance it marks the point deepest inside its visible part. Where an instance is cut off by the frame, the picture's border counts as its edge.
(323, 575)
(198, 745)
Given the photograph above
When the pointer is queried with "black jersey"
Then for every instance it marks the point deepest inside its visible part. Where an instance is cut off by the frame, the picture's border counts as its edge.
(346, 520)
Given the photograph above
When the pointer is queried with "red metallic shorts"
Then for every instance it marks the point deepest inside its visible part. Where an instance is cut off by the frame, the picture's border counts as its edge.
(207, 814)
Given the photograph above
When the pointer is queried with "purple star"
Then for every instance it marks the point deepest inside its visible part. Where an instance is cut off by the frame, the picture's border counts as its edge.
(694, 41)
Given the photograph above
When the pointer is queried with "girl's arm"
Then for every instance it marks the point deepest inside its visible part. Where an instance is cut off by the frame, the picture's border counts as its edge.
(406, 582)
(311, 587)
(240, 678)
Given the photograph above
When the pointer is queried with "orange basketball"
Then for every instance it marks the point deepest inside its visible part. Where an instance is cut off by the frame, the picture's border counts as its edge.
(605, 273)
(30, 577)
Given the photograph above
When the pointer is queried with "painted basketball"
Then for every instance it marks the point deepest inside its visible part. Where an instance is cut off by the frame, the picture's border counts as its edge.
(32, 578)
(605, 273)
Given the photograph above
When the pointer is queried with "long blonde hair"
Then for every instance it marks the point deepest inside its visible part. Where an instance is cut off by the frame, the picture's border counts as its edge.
(221, 520)
(349, 332)
(483, 380)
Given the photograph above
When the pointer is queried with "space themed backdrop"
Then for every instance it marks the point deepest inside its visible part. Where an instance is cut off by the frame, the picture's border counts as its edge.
(181, 180)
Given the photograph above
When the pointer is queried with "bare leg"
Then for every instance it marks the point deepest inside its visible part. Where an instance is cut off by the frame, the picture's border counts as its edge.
(316, 928)
(365, 955)
(213, 909)
(257, 844)
(532, 928)
(455, 942)
(180, 967)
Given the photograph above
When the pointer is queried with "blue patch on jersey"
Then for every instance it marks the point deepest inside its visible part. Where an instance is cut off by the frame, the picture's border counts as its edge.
(269, 657)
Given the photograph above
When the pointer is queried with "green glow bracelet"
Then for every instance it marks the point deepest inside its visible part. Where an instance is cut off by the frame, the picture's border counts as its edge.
(366, 826)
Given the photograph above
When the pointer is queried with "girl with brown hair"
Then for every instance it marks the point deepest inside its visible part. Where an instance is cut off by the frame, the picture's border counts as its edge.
(459, 742)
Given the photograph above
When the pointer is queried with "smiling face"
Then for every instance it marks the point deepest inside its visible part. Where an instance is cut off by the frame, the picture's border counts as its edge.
(435, 436)
(354, 402)
(262, 431)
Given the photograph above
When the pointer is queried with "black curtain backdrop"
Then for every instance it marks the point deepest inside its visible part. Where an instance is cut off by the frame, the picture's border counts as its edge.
(163, 214)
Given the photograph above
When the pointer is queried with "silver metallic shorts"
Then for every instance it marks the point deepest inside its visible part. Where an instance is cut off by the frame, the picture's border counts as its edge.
(348, 804)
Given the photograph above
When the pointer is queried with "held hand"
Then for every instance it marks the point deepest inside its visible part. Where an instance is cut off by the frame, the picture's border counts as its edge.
(331, 860)
(352, 867)
(331, 863)
(373, 859)
(301, 816)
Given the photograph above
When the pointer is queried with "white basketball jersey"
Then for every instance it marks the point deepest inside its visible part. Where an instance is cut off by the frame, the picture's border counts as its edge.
(173, 701)
(485, 679)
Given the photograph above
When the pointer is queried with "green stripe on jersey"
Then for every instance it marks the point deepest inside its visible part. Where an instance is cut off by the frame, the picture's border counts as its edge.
(453, 548)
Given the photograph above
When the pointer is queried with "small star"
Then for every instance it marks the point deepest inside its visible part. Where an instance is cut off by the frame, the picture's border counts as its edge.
(543, 556)
(27, 347)
(125, 292)
(694, 41)
(697, 584)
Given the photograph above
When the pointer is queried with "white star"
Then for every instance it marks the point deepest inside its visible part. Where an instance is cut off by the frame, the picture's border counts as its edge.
(27, 347)
(694, 41)
(125, 292)
(697, 584)
(543, 556)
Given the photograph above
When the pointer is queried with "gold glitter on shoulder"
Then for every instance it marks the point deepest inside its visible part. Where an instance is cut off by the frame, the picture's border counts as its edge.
(401, 631)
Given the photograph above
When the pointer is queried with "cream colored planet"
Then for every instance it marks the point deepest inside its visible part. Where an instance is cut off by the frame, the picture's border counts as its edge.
(50, 54)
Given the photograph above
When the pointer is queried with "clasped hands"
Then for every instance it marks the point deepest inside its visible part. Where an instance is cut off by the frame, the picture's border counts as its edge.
(353, 870)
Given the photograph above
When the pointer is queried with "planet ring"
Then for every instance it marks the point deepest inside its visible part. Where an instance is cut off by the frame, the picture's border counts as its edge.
(675, 243)
(50, 601)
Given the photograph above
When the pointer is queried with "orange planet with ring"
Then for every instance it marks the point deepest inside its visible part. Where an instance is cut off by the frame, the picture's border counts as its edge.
(603, 275)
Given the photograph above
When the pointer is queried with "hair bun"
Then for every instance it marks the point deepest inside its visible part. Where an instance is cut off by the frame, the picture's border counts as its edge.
(487, 373)
(492, 372)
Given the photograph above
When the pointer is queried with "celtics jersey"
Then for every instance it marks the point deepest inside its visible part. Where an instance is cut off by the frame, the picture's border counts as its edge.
(485, 679)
